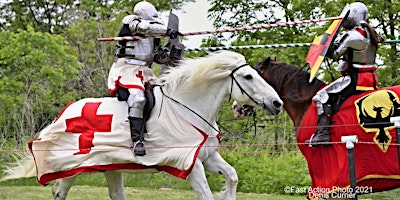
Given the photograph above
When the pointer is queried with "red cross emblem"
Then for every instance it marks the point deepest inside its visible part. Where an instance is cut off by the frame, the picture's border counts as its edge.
(140, 76)
(87, 124)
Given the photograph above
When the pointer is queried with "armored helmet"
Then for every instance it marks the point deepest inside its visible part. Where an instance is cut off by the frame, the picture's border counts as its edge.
(358, 12)
(145, 10)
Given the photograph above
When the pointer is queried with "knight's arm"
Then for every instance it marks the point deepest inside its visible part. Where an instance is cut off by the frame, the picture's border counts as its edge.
(138, 25)
(353, 39)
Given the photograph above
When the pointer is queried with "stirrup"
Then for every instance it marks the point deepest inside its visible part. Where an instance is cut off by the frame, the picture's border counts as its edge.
(138, 149)
(314, 144)
(310, 141)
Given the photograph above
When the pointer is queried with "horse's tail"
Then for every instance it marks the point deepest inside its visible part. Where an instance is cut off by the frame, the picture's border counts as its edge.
(23, 168)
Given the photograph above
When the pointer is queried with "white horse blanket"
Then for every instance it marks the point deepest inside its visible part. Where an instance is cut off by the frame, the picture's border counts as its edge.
(93, 135)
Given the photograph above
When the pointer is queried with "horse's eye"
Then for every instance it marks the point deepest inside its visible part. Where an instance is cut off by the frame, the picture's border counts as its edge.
(248, 77)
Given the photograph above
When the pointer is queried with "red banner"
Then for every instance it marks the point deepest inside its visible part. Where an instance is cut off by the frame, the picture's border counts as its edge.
(320, 46)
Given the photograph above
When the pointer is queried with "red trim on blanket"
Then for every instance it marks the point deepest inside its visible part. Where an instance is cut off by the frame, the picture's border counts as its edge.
(185, 173)
(46, 178)
(30, 143)
(219, 137)
(62, 111)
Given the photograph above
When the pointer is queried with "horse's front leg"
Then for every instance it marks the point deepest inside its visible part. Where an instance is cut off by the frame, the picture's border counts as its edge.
(216, 164)
(115, 182)
(197, 179)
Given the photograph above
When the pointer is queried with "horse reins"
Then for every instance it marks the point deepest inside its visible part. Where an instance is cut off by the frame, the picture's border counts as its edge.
(243, 92)
(230, 95)
(191, 110)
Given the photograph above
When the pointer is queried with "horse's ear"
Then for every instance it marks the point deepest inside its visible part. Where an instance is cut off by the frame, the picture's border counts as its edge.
(268, 60)
(265, 63)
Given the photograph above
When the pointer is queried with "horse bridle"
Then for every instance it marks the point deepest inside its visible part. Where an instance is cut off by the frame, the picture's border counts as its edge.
(237, 83)
(243, 92)
(201, 117)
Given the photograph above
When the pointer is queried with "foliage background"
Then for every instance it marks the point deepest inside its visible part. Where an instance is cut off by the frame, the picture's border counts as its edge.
(49, 56)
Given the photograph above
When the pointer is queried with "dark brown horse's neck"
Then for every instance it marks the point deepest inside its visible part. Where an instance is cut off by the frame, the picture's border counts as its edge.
(297, 108)
(296, 111)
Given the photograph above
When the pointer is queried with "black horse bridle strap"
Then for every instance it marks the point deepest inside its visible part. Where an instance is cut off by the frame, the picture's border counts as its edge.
(237, 83)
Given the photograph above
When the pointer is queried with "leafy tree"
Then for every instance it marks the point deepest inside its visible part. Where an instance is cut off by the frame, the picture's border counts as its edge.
(54, 15)
(36, 81)
(44, 16)
(383, 14)
(95, 57)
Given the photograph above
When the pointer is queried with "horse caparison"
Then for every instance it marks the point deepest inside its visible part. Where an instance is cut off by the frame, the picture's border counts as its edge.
(363, 114)
(191, 94)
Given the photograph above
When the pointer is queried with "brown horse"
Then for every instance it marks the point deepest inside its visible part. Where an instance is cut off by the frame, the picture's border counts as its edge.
(366, 115)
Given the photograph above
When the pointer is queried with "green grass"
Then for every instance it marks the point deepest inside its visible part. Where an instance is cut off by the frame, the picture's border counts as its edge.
(100, 193)
(261, 178)
(84, 192)
(94, 186)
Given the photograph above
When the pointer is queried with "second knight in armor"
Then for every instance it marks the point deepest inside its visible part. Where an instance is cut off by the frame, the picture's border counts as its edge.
(356, 52)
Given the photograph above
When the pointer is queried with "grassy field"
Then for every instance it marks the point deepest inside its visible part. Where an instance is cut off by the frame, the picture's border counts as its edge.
(100, 193)
(79, 192)
(143, 186)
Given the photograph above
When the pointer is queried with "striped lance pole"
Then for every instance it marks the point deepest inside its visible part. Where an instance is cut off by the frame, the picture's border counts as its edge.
(225, 30)
(262, 46)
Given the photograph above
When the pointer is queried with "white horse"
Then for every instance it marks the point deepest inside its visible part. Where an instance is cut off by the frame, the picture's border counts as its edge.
(184, 116)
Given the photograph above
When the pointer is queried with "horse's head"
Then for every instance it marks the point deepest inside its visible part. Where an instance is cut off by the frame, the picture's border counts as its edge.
(249, 88)
(291, 83)
(241, 110)
(225, 73)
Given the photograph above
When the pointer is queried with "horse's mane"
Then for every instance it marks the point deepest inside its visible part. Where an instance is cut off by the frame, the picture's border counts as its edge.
(291, 82)
(196, 73)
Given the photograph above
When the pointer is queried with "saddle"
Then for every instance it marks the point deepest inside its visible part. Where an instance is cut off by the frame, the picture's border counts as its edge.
(336, 101)
(151, 100)
(123, 94)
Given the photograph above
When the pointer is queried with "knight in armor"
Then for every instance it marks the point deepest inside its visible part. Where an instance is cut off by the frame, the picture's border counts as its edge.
(131, 69)
(356, 52)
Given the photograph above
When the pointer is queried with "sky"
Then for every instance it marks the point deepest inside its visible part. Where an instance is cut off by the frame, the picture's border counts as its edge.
(193, 17)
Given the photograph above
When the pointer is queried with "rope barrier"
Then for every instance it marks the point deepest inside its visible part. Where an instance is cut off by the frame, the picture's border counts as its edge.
(229, 145)
(232, 145)
(248, 47)
(254, 27)
(205, 146)
(347, 125)
(262, 46)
